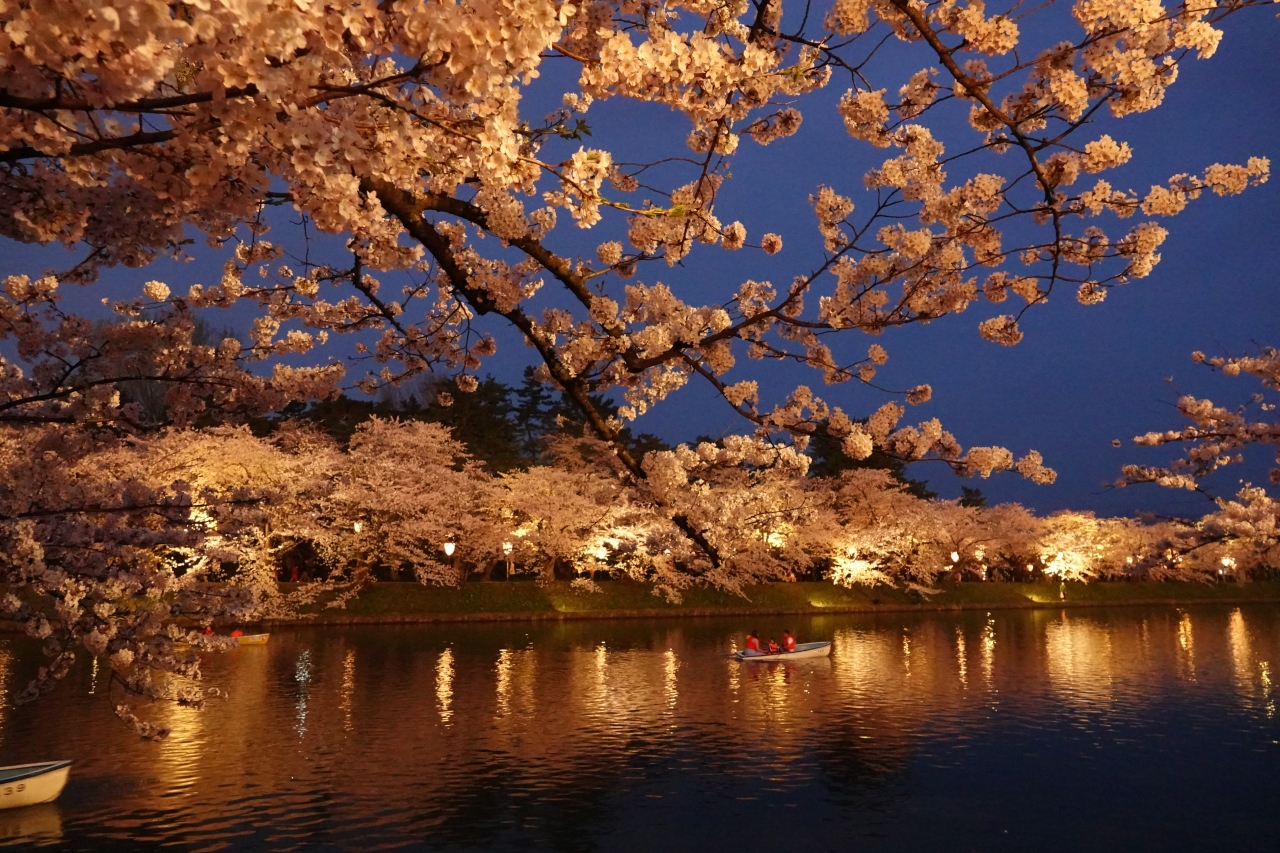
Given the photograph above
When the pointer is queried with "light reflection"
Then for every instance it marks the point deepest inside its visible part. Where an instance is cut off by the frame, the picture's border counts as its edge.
(444, 685)
(961, 656)
(181, 758)
(670, 665)
(1264, 677)
(989, 650)
(906, 653)
(348, 687)
(1241, 655)
(302, 675)
(1080, 661)
(504, 682)
(93, 677)
(1186, 647)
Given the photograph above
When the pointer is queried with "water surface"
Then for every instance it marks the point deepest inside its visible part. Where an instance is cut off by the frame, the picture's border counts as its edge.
(1137, 728)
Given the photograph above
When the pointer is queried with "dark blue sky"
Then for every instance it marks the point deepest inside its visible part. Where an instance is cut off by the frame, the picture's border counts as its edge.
(1081, 377)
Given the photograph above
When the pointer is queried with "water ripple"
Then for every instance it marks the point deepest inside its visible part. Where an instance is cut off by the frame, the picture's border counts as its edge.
(968, 731)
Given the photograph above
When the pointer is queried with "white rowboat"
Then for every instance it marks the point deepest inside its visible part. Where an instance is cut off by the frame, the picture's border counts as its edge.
(28, 784)
(253, 639)
(802, 651)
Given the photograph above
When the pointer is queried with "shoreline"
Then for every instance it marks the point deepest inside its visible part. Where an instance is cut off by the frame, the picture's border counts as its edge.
(410, 603)
(705, 613)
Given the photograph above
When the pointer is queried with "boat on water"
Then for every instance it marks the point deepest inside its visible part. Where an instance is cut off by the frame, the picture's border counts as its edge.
(29, 784)
(253, 639)
(801, 651)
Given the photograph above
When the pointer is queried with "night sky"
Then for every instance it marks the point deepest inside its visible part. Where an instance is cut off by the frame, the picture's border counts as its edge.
(1081, 377)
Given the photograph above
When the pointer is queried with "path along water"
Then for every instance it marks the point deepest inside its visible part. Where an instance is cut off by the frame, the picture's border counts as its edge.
(1132, 728)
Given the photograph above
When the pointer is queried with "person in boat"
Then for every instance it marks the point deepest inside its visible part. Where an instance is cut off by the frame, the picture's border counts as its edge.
(237, 633)
(208, 631)
(773, 646)
(753, 641)
(788, 642)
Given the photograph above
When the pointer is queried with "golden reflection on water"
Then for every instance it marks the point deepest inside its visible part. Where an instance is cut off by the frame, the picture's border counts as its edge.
(302, 675)
(444, 685)
(669, 687)
(962, 666)
(989, 651)
(1264, 676)
(1186, 648)
(181, 752)
(348, 688)
(504, 682)
(1080, 661)
(1241, 656)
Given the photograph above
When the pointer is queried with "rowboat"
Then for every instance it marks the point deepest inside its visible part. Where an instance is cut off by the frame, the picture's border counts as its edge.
(802, 651)
(28, 784)
(253, 639)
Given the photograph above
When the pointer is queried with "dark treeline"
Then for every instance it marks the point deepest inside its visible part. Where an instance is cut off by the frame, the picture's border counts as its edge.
(509, 428)
(502, 427)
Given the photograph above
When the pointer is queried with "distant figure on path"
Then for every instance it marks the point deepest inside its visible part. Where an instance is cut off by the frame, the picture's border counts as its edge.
(788, 642)
(753, 641)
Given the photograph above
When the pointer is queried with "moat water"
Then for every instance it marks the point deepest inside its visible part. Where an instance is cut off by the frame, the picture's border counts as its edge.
(1107, 729)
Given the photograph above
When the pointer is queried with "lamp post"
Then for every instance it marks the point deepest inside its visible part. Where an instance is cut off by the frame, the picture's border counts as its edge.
(357, 527)
(449, 548)
(506, 549)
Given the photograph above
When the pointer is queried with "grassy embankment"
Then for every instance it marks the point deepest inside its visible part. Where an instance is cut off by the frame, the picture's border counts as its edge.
(410, 602)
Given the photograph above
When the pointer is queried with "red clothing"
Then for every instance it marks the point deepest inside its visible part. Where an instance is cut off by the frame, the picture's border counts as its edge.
(789, 643)
(773, 647)
(753, 644)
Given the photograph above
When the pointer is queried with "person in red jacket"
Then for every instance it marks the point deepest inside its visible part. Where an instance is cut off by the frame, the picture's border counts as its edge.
(788, 642)
(773, 646)
(753, 641)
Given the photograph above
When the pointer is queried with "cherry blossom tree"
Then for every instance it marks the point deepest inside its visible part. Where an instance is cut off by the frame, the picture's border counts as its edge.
(406, 488)
(1241, 537)
(401, 128)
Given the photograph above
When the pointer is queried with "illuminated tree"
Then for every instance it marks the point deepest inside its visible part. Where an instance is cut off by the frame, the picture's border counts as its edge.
(400, 128)
(402, 131)
(1242, 537)
(406, 488)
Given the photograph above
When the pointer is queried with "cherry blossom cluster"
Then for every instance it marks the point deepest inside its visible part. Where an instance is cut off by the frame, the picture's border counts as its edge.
(402, 131)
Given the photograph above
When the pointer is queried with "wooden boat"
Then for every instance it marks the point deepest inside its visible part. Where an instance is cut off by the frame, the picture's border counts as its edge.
(802, 651)
(28, 784)
(253, 639)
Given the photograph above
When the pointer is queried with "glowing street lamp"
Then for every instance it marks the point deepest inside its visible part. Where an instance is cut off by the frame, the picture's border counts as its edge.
(955, 556)
(358, 526)
(449, 548)
(506, 548)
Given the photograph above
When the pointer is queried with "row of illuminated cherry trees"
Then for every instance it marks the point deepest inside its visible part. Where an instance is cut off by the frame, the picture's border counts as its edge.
(405, 499)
